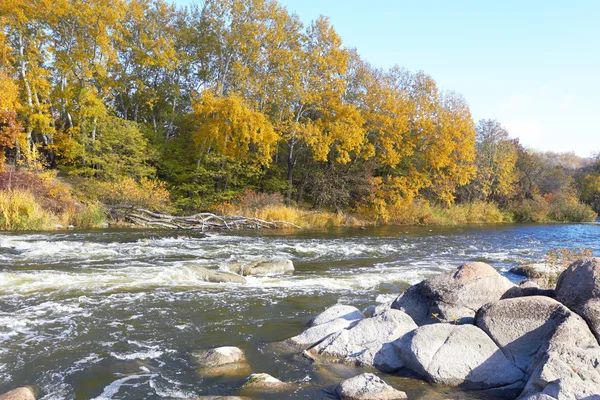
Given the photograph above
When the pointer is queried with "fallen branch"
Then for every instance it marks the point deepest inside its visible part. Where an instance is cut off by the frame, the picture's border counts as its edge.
(201, 221)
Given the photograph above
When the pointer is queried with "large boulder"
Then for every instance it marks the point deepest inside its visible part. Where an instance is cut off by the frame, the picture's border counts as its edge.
(22, 393)
(215, 276)
(343, 311)
(221, 361)
(522, 326)
(566, 367)
(578, 287)
(368, 387)
(459, 355)
(369, 342)
(454, 296)
(318, 333)
(262, 267)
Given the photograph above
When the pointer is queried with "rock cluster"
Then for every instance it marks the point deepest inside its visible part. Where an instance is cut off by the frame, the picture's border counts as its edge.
(472, 328)
(237, 271)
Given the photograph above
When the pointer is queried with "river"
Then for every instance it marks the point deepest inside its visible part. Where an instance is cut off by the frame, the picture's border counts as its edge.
(115, 314)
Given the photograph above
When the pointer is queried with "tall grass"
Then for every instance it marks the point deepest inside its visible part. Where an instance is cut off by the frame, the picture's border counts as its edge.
(423, 213)
(39, 201)
(19, 210)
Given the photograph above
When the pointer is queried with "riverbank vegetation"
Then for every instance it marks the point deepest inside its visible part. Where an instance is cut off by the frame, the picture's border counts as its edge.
(189, 109)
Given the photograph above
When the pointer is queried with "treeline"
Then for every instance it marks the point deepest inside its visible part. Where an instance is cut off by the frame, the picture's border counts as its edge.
(130, 98)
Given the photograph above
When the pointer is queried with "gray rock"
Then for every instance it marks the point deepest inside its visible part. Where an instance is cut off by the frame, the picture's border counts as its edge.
(566, 372)
(535, 270)
(219, 356)
(349, 313)
(221, 398)
(316, 334)
(590, 311)
(266, 382)
(262, 267)
(578, 288)
(458, 355)
(539, 396)
(215, 276)
(369, 342)
(22, 393)
(526, 288)
(373, 311)
(368, 387)
(522, 326)
(221, 361)
(579, 283)
(454, 296)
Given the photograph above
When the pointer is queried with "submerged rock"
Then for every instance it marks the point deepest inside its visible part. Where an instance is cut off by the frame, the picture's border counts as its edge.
(458, 355)
(215, 276)
(454, 296)
(369, 342)
(221, 361)
(316, 334)
(22, 393)
(368, 387)
(337, 311)
(262, 267)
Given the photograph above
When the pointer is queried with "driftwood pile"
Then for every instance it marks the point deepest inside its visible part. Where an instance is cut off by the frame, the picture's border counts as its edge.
(201, 221)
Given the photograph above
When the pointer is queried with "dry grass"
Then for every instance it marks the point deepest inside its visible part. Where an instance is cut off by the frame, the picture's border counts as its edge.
(20, 211)
(295, 215)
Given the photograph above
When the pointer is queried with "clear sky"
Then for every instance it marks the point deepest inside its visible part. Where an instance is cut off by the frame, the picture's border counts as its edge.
(533, 65)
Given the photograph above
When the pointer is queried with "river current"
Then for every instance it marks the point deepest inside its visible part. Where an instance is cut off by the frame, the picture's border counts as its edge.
(117, 314)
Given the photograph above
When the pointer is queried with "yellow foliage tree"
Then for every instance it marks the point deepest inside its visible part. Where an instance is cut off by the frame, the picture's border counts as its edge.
(227, 124)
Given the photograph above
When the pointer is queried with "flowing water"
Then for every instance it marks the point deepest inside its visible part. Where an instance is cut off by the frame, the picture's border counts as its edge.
(117, 314)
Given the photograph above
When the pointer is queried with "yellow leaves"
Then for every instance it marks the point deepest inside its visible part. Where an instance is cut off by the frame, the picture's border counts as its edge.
(228, 125)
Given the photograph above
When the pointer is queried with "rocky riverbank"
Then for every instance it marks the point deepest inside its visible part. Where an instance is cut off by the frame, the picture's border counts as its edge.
(472, 328)
(469, 328)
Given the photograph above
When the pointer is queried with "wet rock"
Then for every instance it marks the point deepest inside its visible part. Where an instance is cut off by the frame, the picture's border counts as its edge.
(368, 387)
(263, 381)
(262, 267)
(316, 334)
(220, 361)
(526, 288)
(369, 342)
(215, 276)
(454, 296)
(522, 326)
(459, 355)
(219, 356)
(578, 288)
(349, 313)
(22, 393)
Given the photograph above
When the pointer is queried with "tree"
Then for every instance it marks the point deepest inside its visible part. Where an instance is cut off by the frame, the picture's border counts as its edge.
(496, 160)
(227, 125)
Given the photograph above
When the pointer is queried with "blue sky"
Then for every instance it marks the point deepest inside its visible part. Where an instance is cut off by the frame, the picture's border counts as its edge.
(533, 65)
